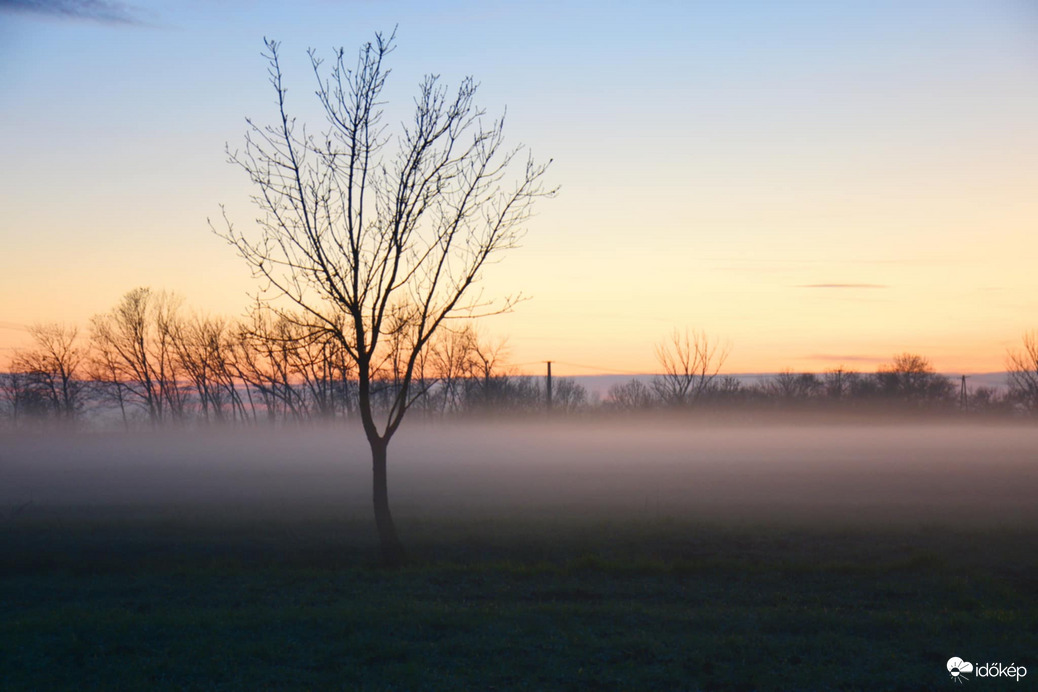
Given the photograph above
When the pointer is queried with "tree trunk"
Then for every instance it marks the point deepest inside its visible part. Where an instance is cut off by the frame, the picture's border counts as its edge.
(389, 544)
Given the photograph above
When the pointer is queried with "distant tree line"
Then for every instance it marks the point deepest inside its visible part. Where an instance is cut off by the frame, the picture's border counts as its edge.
(690, 378)
(149, 361)
(691, 364)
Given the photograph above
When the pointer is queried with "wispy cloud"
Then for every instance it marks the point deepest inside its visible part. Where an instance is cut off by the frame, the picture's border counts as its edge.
(103, 11)
(843, 286)
(13, 325)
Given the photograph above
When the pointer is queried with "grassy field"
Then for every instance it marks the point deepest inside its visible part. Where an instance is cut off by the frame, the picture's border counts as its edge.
(142, 599)
(570, 557)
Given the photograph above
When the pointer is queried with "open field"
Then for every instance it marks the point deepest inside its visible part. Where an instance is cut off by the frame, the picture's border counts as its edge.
(808, 558)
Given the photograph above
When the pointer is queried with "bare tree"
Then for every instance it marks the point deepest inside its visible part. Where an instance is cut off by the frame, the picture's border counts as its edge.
(22, 398)
(173, 387)
(374, 239)
(1022, 370)
(247, 345)
(453, 360)
(912, 379)
(268, 360)
(690, 362)
(203, 347)
(633, 395)
(729, 389)
(569, 396)
(52, 367)
(104, 370)
(990, 400)
(9, 389)
(326, 373)
(134, 347)
(789, 386)
(837, 382)
(488, 384)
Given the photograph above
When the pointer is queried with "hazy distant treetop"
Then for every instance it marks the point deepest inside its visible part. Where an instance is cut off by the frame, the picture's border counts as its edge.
(912, 377)
(690, 361)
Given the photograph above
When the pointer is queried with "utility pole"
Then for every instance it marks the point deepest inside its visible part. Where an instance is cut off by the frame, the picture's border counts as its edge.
(549, 385)
(962, 394)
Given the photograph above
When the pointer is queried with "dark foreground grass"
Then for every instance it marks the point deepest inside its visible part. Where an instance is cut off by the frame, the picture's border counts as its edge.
(265, 600)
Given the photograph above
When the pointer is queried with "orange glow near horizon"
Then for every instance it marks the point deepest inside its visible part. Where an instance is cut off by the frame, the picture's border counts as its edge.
(599, 354)
(818, 189)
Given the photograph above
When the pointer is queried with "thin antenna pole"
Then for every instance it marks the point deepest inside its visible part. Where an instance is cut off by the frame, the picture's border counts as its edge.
(549, 384)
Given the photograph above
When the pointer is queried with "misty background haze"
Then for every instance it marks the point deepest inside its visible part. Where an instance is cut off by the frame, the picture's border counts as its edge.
(778, 474)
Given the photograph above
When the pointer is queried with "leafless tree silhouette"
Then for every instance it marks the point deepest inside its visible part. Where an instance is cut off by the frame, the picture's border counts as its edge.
(1022, 367)
(838, 383)
(453, 359)
(52, 369)
(690, 362)
(134, 351)
(911, 378)
(788, 386)
(633, 395)
(570, 396)
(204, 351)
(373, 240)
(489, 377)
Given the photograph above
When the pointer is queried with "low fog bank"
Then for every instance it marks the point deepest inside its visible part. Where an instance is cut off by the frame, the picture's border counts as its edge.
(926, 473)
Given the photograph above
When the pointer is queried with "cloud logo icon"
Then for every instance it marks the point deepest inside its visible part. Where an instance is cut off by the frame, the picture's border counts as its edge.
(957, 667)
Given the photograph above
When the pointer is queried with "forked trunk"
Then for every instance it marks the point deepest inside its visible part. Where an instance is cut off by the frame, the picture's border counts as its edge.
(389, 544)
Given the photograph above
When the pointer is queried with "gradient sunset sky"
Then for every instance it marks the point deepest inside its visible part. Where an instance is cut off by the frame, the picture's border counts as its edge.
(816, 183)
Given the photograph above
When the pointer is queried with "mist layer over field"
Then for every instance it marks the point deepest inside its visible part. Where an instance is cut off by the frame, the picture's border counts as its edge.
(853, 474)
